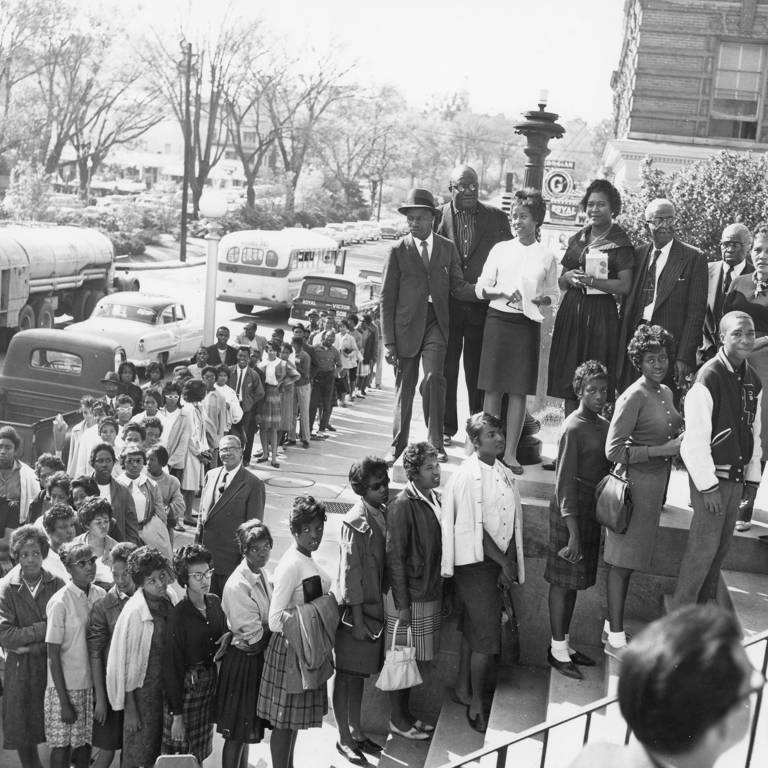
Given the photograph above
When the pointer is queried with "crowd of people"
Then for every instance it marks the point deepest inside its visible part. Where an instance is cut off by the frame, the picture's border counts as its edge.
(117, 640)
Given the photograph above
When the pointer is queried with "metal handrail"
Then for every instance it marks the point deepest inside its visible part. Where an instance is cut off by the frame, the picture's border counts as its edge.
(543, 729)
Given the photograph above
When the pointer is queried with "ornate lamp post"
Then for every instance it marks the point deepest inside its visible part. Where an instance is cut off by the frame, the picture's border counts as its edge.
(212, 207)
(539, 127)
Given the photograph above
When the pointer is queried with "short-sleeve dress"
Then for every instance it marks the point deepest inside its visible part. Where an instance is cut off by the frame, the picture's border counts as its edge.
(587, 326)
(581, 465)
(645, 415)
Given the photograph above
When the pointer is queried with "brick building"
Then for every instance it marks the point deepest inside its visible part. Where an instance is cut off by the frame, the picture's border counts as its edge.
(691, 81)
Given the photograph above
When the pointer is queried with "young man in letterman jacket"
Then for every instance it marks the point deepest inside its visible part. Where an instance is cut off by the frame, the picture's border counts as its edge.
(721, 451)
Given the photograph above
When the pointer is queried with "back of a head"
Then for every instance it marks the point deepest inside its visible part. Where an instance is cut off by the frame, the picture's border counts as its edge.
(680, 676)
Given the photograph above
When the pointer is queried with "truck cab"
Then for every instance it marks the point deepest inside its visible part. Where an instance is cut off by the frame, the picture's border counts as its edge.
(46, 372)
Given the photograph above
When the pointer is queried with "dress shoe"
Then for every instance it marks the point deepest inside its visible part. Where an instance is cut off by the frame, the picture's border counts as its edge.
(330, 428)
(516, 468)
(413, 733)
(422, 726)
(581, 660)
(478, 723)
(369, 746)
(352, 755)
(447, 439)
(305, 443)
(442, 456)
(550, 466)
(567, 668)
(289, 442)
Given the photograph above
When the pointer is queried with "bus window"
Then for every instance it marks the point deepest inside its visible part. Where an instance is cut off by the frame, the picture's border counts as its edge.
(271, 259)
(253, 256)
(339, 292)
(233, 255)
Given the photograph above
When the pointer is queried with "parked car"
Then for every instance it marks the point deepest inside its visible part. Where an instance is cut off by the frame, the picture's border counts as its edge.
(334, 234)
(332, 293)
(370, 229)
(389, 229)
(340, 232)
(354, 231)
(148, 327)
(46, 372)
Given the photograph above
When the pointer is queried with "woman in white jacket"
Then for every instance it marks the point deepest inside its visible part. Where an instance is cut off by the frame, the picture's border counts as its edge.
(483, 550)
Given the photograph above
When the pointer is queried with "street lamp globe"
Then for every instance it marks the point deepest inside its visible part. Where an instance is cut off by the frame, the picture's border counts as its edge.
(213, 204)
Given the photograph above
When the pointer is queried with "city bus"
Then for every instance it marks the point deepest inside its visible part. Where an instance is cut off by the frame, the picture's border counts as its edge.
(265, 268)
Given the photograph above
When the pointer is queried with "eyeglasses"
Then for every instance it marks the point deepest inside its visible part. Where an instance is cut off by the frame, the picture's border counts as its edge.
(464, 187)
(202, 575)
(731, 243)
(656, 220)
(83, 563)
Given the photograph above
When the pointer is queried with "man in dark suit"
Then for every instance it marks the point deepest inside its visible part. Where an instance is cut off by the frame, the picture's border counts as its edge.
(669, 289)
(735, 243)
(474, 228)
(231, 495)
(222, 352)
(250, 391)
(420, 275)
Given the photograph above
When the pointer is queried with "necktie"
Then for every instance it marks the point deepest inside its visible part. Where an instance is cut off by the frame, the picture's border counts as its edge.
(726, 280)
(649, 287)
(222, 486)
(240, 383)
(425, 255)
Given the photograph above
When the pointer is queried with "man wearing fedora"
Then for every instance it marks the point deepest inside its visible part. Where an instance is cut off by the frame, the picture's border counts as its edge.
(421, 274)
(475, 228)
(111, 382)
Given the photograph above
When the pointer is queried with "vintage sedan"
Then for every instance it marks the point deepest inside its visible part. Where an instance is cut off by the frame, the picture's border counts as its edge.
(148, 327)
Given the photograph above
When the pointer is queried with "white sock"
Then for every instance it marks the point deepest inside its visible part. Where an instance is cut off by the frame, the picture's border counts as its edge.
(559, 650)
(617, 639)
(568, 642)
(606, 626)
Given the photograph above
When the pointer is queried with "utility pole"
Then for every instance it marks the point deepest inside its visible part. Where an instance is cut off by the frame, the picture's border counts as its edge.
(186, 67)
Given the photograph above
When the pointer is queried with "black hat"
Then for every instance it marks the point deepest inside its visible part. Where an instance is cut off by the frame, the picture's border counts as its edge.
(418, 198)
(111, 377)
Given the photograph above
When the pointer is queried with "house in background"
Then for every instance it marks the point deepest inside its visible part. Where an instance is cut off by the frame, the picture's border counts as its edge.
(691, 82)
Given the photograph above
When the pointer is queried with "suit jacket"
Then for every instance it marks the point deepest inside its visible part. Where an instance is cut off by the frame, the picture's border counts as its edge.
(125, 524)
(711, 334)
(214, 355)
(681, 301)
(492, 227)
(252, 390)
(243, 499)
(406, 286)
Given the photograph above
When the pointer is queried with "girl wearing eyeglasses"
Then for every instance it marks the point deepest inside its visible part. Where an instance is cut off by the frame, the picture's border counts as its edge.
(196, 630)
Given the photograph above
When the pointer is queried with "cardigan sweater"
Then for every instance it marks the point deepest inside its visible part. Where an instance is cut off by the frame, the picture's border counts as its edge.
(461, 517)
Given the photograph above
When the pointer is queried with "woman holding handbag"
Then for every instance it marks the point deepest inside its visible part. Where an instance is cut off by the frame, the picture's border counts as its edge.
(574, 534)
(645, 433)
(482, 522)
(360, 587)
(413, 554)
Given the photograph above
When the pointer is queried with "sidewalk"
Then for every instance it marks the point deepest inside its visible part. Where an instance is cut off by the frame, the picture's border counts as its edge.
(165, 255)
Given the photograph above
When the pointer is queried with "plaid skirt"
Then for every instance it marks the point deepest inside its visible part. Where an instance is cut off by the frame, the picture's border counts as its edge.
(61, 734)
(583, 574)
(425, 626)
(287, 710)
(269, 413)
(197, 710)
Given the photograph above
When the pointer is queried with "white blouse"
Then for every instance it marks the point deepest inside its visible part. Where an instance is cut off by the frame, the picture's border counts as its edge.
(530, 269)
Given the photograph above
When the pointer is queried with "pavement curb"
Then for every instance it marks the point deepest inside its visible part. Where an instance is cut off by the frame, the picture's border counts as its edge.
(141, 266)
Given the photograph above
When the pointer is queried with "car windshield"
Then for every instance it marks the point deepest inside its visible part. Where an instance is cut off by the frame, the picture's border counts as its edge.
(145, 315)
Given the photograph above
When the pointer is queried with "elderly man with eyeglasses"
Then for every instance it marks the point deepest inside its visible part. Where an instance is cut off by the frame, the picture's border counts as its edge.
(669, 289)
(735, 243)
(475, 228)
(231, 495)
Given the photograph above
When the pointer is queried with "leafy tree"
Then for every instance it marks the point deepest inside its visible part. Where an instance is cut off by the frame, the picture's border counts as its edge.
(29, 192)
(708, 195)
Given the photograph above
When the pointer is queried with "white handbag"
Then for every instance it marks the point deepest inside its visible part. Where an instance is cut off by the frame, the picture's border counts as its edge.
(400, 670)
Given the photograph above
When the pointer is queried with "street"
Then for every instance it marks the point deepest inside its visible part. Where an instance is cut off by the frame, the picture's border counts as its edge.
(187, 285)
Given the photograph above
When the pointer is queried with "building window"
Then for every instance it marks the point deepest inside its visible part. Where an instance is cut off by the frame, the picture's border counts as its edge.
(738, 85)
(249, 139)
(230, 154)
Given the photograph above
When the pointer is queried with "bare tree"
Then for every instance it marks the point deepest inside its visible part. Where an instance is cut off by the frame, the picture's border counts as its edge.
(212, 77)
(295, 107)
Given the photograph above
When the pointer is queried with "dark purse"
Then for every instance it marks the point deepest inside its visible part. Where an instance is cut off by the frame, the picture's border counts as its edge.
(613, 501)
